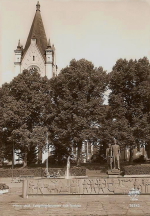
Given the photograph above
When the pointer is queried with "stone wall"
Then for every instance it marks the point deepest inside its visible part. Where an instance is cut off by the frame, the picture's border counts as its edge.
(130, 186)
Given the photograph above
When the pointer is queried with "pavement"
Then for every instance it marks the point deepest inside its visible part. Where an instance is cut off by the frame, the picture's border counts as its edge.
(12, 204)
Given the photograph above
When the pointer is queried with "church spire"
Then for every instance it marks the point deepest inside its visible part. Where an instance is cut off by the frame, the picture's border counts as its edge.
(19, 45)
(38, 52)
(38, 6)
(37, 32)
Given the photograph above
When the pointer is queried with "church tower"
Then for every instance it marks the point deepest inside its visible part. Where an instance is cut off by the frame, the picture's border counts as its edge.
(38, 54)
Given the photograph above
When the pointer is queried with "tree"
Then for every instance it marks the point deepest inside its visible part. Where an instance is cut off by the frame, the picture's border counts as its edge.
(129, 113)
(76, 110)
(23, 105)
(1, 134)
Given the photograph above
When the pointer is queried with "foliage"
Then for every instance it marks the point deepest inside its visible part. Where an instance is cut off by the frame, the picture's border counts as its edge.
(129, 112)
(76, 110)
(3, 186)
(23, 105)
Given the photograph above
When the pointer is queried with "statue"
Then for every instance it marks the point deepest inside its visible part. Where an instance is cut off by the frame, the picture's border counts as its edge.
(109, 156)
(127, 153)
(116, 154)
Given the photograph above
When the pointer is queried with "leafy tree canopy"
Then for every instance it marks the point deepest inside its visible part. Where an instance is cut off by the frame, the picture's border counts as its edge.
(23, 106)
(77, 110)
(129, 113)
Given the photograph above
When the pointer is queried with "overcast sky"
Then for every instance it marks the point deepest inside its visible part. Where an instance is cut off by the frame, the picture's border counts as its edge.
(99, 31)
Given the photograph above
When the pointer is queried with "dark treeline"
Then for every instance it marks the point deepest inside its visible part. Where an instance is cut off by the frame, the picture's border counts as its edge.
(70, 108)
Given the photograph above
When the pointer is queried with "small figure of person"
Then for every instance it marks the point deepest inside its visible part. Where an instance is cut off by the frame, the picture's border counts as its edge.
(109, 156)
(127, 153)
(116, 154)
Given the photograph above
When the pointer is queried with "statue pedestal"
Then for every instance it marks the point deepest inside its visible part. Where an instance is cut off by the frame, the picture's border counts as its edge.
(114, 172)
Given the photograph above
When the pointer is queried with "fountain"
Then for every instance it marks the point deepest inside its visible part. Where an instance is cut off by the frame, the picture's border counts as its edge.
(67, 176)
(73, 183)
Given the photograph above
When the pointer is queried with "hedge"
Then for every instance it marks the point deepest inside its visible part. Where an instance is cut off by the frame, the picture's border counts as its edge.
(39, 172)
(143, 169)
(3, 186)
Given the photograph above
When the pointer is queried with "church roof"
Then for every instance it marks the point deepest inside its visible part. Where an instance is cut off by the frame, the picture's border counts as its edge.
(37, 31)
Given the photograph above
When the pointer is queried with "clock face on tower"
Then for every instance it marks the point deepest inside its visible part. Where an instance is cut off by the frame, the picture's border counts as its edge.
(33, 69)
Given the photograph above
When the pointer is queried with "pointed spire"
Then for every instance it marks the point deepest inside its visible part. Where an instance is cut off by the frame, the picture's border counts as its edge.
(37, 32)
(19, 48)
(38, 6)
(48, 44)
(19, 45)
(53, 47)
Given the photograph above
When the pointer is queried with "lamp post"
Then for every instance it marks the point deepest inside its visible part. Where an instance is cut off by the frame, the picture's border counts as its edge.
(47, 151)
(13, 160)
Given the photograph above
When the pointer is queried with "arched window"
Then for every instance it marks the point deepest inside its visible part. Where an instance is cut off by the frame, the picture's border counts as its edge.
(33, 58)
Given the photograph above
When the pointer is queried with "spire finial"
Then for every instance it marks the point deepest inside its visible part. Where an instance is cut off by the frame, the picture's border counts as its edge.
(38, 6)
(53, 47)
(48, 44)
(19, 45)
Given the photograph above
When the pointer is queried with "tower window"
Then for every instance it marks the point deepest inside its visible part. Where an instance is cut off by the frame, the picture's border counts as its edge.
(33, 58)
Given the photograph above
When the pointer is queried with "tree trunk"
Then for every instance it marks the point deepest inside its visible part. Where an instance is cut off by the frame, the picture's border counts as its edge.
(25, 160)
(1, 161)
(79, 154)
(131, 155)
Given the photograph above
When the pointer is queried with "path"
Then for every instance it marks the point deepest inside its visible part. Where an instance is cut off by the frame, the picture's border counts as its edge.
(12, 204)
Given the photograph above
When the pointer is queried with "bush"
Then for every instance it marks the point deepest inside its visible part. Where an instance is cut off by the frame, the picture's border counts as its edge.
(17, 172)
(3, 186)
(39, 172)
(143, 169)
(140, 159)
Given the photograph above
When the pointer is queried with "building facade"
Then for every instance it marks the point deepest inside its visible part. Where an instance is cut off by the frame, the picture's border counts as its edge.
(38, 54)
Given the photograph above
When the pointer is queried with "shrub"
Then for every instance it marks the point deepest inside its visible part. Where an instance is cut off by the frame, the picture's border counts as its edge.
(3, 186)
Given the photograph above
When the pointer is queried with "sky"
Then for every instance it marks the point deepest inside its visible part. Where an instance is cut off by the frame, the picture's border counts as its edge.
(101, 31)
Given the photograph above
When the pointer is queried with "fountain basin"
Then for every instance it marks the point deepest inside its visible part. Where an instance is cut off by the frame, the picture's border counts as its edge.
(4, 191)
